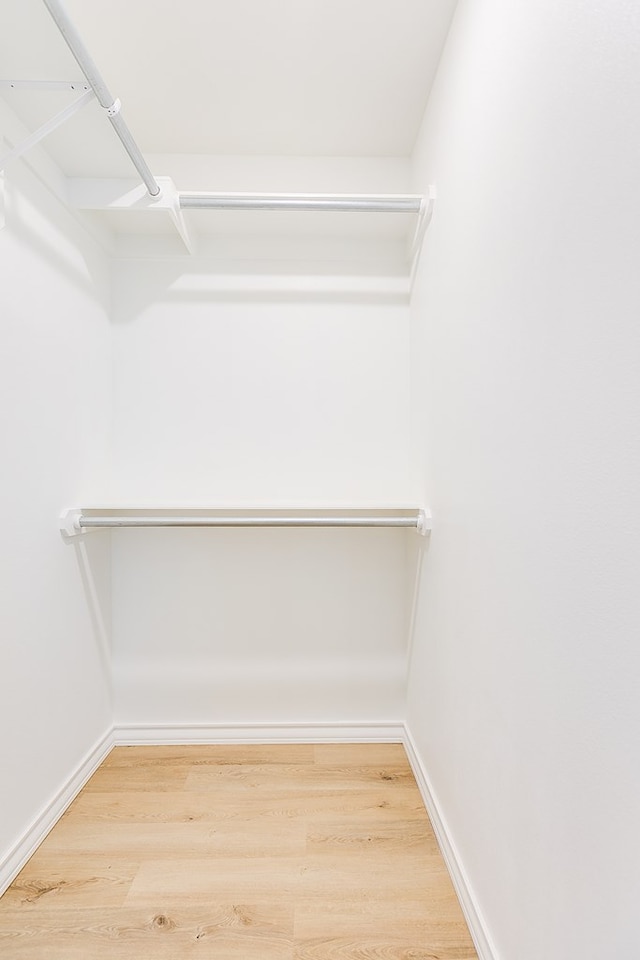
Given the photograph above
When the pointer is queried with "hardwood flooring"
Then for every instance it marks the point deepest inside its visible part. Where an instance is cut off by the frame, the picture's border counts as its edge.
(287, 852)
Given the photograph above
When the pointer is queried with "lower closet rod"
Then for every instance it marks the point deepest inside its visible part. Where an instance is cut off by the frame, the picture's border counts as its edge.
(274, 521)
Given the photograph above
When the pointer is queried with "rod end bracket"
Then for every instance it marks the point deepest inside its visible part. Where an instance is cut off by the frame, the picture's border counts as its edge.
(423, 526)
(70, 527)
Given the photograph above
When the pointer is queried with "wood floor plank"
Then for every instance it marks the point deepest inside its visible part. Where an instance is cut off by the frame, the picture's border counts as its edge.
(244, 931)
(376, 948)
(360, 754)
(146, 806)
(352, 833)
(181, 841)
(70, 881)
(156, 779)
(195, 881)
(168, 807)
(437, 916)
(281, 779)
(210, 754)
(368, 874)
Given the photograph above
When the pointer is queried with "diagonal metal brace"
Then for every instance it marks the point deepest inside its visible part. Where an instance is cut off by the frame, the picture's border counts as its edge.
(46, 128)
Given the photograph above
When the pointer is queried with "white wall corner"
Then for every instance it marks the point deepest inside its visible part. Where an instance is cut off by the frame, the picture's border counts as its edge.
(15, 859)
(3, 219)
(468, 901)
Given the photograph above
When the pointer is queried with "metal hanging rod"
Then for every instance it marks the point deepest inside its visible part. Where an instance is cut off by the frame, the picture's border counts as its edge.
(74, 522)
(99, 87)
(274, 521)
(301, 202)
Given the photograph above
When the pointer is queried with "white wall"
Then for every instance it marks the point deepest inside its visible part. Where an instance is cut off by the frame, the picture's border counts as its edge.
(259, 626)
(246, 394)
(55, 381)
(525, 677)
(254, 390)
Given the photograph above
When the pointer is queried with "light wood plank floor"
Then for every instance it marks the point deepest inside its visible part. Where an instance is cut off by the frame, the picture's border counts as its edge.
(287, 852)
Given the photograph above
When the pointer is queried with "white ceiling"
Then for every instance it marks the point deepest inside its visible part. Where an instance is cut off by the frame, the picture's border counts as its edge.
(345, 78)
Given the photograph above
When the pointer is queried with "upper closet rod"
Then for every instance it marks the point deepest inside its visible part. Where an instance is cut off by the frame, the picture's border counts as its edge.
(99, 87)
(85, 522)
(75, 521)
(301, 202)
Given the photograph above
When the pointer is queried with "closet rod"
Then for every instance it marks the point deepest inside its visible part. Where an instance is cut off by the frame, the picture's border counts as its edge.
(299, 202)
(99, 87)
(255, 521)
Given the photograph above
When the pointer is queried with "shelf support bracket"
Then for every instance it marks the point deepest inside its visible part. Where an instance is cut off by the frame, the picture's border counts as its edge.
(46, 129)
(170, 201)
(127, 195)
(424, 219)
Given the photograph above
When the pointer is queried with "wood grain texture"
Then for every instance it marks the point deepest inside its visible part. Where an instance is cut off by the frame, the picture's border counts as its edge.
(254, 852)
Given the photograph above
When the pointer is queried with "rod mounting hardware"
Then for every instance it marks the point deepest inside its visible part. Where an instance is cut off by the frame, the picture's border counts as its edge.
(70, 524)
(55, 85)
(423, 525)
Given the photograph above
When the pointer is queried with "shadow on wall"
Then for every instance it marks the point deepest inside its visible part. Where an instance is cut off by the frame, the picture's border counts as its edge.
(42, 224)
(209, 280)
(261, 625)
(93, 556)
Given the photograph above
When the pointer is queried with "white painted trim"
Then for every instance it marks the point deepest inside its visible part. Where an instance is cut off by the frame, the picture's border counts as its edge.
(468, 901)
(33, 836)
(341, 732)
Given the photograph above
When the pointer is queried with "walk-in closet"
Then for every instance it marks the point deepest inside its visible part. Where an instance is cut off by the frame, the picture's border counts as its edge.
(320, 406)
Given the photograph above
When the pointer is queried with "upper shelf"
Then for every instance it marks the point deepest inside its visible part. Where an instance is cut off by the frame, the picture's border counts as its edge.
(399, 220)
(354, 226)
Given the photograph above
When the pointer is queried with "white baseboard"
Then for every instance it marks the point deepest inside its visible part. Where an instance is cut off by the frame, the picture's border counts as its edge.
(129, 734)
(35, 833)
(470, 908)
